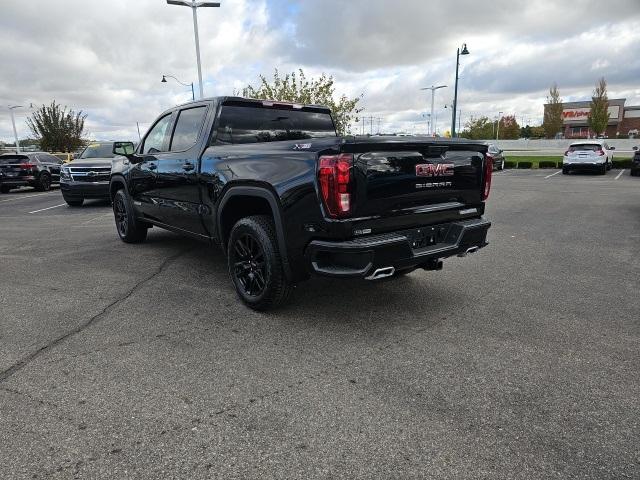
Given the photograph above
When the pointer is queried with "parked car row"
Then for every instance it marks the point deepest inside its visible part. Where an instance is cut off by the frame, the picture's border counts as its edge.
(86, 176)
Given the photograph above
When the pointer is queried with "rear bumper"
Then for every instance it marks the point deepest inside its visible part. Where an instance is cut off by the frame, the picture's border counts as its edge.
(17, 181)
(85, 189)
(583, 165)
(419, 247)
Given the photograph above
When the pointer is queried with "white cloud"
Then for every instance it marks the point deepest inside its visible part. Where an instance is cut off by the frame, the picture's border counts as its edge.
(107, 57)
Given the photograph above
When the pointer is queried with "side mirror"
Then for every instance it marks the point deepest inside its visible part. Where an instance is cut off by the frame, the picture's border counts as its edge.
(612, 148)
(123, 148)
(635, 148)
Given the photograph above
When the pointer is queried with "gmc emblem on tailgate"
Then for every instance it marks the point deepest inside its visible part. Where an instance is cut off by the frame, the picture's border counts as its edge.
(435, 170)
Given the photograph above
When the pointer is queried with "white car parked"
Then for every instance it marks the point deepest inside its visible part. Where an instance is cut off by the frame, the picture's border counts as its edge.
(588, 155)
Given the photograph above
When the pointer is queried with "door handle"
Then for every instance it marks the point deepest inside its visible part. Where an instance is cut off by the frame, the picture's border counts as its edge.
(187, 166)
(152, 166)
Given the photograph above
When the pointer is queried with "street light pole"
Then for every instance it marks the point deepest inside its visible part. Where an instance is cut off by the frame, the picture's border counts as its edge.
(498, 127)
(164, 80)
(194, 7)
(433, 92)
(13, 123)
(455, 92)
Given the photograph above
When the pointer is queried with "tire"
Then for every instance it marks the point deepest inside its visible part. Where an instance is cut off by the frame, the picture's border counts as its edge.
(130, 230)
(255, 265)
(502, 165)
(565, 171)
(74, 202)
(5, 188)
(609, 165)
(44, 182)
(603, 170)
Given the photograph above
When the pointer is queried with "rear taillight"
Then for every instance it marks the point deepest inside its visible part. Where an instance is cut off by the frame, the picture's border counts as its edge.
(27, 166)
(566, 154)
(600, 152)
(334, 179)
(486, 178)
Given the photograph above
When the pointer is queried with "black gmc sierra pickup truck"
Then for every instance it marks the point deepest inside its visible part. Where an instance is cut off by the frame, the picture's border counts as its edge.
(285, 197)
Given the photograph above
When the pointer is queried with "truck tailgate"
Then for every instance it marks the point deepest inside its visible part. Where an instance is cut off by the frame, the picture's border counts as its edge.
(416, 181)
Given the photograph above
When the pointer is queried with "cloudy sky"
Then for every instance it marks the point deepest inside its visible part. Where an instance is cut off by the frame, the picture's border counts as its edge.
(106, 57)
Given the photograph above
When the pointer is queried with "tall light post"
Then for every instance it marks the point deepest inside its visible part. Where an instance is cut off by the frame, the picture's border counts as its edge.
(164, 80)
(459, 52)
(498, 126)
(194, 7)
(433, 92)
(13, 123)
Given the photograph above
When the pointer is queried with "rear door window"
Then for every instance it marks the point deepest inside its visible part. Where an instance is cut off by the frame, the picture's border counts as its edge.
(187, 129)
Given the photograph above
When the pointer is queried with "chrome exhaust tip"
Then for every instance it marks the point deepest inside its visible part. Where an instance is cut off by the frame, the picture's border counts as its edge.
(468, 251)
(381, 273)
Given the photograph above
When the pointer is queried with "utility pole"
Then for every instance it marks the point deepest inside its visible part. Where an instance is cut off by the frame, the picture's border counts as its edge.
(194, 7)
(498, 127)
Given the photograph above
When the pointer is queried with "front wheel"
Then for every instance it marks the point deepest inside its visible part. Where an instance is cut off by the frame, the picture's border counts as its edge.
(130, 230)
(255, 264)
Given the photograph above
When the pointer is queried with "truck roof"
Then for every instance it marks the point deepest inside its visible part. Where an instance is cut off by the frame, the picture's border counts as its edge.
(254, 101)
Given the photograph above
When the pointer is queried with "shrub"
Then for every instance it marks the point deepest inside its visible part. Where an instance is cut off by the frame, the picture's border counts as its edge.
(547, 165)
(525, 164)
(510, 164)
(622, 163)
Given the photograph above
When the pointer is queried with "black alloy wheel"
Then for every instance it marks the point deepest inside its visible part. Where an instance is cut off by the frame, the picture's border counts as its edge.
(249, 265)
(130, 230)
(120, 213)
(255, 265)
(44, 182)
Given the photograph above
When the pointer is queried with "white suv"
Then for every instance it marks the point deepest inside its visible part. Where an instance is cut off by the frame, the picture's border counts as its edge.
(588, 155)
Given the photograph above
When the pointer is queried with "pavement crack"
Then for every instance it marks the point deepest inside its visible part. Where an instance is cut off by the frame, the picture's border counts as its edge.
(24, 361)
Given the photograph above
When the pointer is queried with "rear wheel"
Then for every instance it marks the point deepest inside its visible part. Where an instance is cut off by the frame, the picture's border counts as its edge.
(5, 188)
(603, 169)
(255, 265)
(44, 182)
(130, 230)
(565, 171)
(74, 202)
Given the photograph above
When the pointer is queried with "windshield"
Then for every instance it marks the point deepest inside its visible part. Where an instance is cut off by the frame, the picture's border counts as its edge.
(98, 150)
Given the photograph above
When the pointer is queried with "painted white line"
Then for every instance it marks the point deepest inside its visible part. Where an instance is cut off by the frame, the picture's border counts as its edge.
(96, 218)
(25, 196)
(620, 174)
(48, 208)
(549, 176)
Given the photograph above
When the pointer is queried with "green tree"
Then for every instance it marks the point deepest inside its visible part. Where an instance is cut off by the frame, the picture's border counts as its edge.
(57, 129)
(538, 132)
(297, 88)
(509, 128)
(526, 132)
(599, 114)
(553, 113)
(480, 128)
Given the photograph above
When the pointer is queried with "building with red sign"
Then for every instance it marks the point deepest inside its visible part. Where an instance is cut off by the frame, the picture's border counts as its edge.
(624, 121)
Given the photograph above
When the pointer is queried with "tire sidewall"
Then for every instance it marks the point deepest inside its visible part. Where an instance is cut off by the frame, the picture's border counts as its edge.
(253, 228)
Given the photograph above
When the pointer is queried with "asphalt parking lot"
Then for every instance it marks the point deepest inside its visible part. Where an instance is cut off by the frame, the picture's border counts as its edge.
(137, 361)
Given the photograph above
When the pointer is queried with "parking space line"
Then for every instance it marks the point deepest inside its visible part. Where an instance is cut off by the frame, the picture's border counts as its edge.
(25, 196)
(96, 218)
(549, 176)
(620, 174)
(48, 208)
